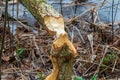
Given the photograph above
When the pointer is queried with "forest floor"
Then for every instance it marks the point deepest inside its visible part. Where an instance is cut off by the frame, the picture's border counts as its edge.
(26, 53)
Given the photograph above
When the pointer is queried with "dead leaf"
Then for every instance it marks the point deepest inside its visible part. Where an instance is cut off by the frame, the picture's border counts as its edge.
(6, 58)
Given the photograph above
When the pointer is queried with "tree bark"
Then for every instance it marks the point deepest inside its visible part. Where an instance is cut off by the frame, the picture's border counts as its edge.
(63, 52)
(0, 9)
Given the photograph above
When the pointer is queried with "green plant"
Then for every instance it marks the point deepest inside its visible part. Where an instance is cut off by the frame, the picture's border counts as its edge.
(94, 77)
(40, 76)
(19, 51)
(78, 78)
(109, 57)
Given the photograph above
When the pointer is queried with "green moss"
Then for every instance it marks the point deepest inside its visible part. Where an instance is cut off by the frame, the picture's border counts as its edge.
(109, 57)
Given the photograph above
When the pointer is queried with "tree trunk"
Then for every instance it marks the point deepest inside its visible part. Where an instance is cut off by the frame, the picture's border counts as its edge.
(62, 51)
(0, 9)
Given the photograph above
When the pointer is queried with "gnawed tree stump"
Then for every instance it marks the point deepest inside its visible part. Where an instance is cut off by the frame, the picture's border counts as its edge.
(62, 50)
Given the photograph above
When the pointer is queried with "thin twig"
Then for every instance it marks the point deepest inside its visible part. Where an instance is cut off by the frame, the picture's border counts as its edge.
(98, 68)
(3, 37)
(79, 34)
(112, 20)
(97, 6)
(38, 50)
(115, 64)
(86, 61)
